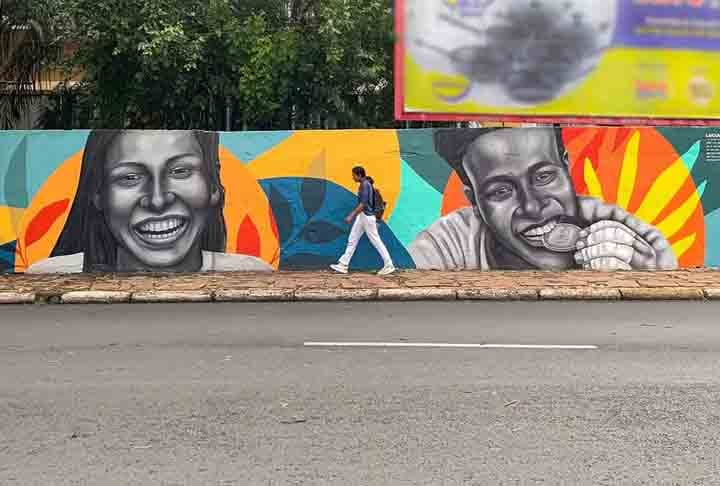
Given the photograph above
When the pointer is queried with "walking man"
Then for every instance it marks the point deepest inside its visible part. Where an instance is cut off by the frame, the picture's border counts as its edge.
(365, 222)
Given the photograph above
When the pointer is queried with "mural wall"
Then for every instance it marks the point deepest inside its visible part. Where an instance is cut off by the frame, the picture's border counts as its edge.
(523, 198)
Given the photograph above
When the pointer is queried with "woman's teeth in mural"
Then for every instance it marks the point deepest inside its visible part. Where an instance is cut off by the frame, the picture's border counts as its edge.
(161, 230)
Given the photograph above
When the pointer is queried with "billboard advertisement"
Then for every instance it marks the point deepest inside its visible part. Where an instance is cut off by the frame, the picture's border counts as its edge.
(654, 61)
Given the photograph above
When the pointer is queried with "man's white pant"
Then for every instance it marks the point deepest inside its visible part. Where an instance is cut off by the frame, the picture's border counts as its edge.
(365, 224)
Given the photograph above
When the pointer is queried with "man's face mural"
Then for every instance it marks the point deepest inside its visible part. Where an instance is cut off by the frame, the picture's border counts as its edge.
(156, 197)
(522, 189)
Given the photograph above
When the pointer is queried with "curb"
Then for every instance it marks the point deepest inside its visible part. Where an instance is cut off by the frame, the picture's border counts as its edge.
(491, 294)
(712, 294)
(95, 297)
(417, 294)
(562, 293)
(254, 295)
(17, 298)
(164, 296)
(662, 293)
(334, 295)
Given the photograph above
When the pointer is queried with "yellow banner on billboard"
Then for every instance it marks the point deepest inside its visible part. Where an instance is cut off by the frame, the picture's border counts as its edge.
(615, 59)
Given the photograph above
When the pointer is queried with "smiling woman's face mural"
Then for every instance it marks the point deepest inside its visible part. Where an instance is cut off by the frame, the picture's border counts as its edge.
(457, 199)
(156, 196)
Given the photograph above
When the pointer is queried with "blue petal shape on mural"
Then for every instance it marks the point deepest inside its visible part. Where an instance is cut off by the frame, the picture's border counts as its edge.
(282, 212)
(313, 195)
(317, 234)
(7, 257)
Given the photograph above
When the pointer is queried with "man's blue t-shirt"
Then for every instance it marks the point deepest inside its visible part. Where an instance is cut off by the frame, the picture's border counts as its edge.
(365, 197)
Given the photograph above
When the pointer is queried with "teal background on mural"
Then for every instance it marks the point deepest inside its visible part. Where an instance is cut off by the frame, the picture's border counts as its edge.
(682, 138)
(248, 146)
(47, 151)
(13, 150)
(417, 148)
(410, 218)
(712, 230)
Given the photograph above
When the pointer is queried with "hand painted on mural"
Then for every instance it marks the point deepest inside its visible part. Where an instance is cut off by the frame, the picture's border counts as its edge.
(147, 201)
(521, 192)
(616, 240)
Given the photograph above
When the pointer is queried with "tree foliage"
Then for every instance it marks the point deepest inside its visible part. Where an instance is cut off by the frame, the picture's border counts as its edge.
(257, 64)
(32, 35)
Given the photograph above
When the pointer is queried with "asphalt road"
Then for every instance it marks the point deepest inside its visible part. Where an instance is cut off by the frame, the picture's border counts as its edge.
(229, 395)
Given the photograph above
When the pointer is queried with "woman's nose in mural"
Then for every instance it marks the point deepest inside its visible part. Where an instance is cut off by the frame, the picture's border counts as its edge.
(159, 199)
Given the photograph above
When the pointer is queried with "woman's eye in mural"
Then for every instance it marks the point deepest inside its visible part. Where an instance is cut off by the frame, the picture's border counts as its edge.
(181, 172)
(499, 192)
(545, 177)
(128, 180)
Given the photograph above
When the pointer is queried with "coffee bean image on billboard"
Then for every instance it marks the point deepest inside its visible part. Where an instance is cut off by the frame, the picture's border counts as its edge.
(513, 53)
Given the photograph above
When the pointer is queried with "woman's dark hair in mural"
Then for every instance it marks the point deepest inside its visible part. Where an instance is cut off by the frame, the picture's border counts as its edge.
(86, 230)
(453, 143)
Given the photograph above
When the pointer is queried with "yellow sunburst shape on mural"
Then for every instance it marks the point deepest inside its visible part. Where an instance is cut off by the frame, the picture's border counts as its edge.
(640, 171)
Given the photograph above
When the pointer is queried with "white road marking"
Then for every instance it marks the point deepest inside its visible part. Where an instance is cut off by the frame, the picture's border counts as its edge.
(447, 345)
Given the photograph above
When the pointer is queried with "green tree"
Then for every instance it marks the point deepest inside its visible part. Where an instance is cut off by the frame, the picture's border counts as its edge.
(32, 35)
(257, 64)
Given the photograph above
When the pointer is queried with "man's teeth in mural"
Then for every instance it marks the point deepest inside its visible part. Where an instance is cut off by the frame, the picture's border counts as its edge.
(536, 234)
(161, 230)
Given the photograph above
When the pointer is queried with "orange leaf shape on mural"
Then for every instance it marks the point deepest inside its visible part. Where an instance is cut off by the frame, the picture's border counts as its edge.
(248, 239)
(273, 224)
(44, 219)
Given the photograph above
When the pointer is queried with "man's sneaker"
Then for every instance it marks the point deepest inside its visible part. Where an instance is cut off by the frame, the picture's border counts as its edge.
(339, 268)
(387, 270)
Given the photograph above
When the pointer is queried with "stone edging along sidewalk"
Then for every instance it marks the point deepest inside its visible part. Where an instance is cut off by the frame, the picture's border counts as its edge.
(322, 286)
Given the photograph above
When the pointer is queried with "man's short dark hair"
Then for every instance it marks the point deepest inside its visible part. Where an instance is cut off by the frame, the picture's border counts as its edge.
(359, 171)
(453, 143)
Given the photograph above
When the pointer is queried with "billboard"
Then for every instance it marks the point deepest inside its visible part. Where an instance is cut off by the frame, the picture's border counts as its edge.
(604, 61)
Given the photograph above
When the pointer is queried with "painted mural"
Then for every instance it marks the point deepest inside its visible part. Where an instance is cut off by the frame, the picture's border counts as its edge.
(483, 199)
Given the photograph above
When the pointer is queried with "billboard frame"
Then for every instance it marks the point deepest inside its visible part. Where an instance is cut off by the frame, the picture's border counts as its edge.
(402, 115)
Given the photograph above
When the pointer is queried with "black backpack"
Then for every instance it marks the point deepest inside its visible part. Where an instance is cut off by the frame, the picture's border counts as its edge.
(378, 204)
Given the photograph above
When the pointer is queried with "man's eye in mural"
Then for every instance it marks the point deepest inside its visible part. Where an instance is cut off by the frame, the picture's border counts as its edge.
(545, 177)
(499, 192)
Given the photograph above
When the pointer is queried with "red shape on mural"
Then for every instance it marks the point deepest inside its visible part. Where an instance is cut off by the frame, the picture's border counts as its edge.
(454, 196)
(43, 220)
(248, 239)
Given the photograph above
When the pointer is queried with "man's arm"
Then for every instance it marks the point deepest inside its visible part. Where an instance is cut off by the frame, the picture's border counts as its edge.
(358, 209)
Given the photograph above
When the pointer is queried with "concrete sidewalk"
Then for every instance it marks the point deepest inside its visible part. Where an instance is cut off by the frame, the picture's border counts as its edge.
(321, 286)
